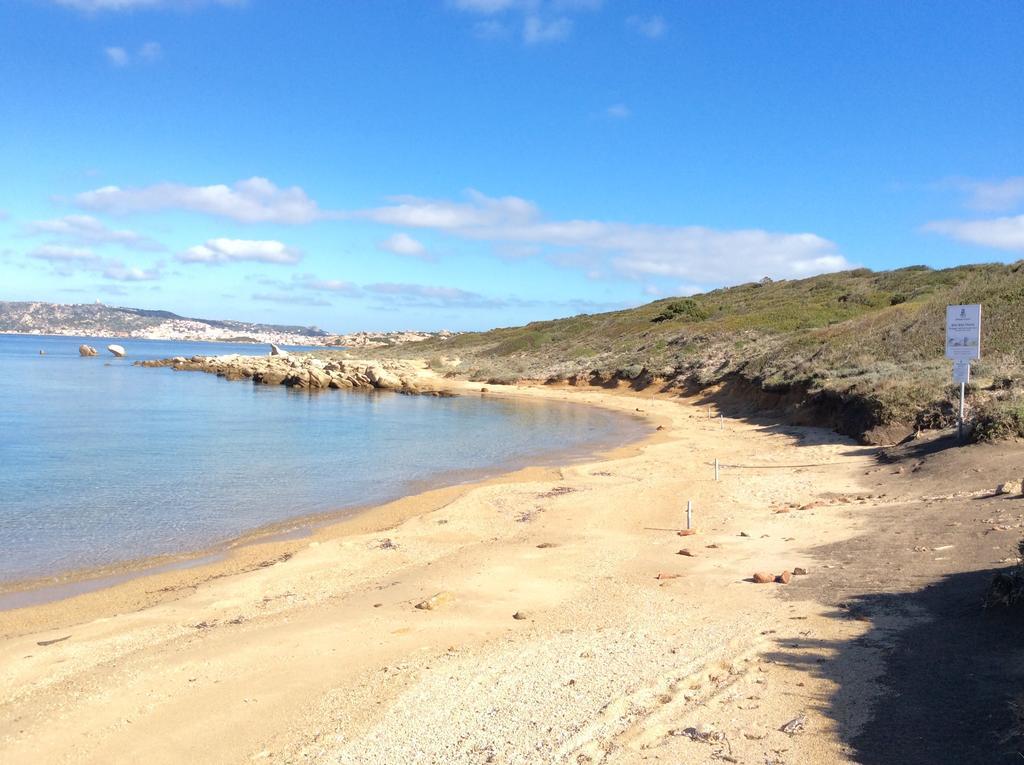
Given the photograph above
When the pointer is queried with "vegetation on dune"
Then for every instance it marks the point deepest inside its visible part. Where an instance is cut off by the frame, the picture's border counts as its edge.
(862, 350)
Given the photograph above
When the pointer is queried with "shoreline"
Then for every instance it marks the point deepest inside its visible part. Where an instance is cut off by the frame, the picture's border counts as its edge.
(547, 615)
(42, 599)
(317, 348)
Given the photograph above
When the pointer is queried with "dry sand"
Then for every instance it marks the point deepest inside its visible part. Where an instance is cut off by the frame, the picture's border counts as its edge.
(554, 641)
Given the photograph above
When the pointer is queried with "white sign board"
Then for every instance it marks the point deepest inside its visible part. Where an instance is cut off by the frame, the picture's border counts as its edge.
(961, 371)
(963, 332)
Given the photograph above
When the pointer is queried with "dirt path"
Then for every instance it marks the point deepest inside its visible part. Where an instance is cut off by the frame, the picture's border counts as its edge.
(555, 639)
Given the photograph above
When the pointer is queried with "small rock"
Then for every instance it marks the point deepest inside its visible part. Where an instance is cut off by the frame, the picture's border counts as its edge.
(87, 350)
(546, 545)
(794, 726)
(798, 571)
(686, 552)
(784, 578)
(117, 350)
(744, 534)
(665, 575)
(435, 601)
(764, 578)
(276, 351)
(687, 532)
(519, 615)
(1010, 487)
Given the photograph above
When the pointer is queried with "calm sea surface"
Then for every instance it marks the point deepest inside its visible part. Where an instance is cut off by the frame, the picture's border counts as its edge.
(102, 462)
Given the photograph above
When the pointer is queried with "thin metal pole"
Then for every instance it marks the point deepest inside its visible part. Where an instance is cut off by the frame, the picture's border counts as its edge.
(721, 422)
(716, 468)
(689, 513)
(709, 412)
(960, 421)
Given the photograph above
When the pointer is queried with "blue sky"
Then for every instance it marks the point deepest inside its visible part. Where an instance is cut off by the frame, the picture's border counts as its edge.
(466, 164)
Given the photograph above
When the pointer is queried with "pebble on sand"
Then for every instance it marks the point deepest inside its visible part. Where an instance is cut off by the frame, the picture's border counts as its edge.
(435, 601)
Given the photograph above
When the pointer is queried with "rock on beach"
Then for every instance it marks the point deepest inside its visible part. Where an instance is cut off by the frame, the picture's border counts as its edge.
(303, 372)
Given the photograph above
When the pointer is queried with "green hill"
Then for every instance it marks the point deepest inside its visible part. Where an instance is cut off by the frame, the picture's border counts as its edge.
(860, 351)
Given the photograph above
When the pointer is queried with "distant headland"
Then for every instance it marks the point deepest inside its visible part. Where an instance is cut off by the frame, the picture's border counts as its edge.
(100, 320)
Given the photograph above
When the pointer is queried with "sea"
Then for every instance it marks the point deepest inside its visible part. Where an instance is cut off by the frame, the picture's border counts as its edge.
(103, 463)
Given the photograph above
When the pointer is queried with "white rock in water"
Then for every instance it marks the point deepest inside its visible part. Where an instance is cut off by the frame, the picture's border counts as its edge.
(275, 351)
(117, 350)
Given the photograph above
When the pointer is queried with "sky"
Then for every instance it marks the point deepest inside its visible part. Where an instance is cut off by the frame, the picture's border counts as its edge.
(466, 164)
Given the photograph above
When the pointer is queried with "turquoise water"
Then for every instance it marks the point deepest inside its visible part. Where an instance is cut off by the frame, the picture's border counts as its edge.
(102, 462)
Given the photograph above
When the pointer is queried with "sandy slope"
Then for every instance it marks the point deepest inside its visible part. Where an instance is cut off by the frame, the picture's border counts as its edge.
(324, 657)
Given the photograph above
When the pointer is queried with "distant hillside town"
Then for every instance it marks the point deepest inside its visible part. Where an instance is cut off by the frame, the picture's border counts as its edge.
(100, 320)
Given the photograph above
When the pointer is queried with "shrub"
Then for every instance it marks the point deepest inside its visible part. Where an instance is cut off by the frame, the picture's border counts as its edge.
(688, 309)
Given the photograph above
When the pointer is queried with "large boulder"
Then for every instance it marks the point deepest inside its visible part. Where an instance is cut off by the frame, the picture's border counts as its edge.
(87, 350)
(276, 351)
(381, 378)
(117, 350)
(298, 379)
(270, 377)
(318, 378)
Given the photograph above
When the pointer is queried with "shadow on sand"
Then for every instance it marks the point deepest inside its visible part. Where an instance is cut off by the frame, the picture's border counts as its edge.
(950, 683)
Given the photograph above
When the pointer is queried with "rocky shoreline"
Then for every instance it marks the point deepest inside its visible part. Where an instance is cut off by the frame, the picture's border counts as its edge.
(307, 373)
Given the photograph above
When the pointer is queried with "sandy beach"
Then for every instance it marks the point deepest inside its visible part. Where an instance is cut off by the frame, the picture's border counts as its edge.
(550, 615)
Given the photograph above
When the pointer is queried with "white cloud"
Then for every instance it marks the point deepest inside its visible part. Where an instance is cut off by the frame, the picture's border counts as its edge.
(310, 282)
(648, 26)
(536, 30)
(403, 244)
(116, 56)
(992, 195)
(542, 21)
(618, 111)
(422, 295)
(119, 272)
(222, 250)
(64, 254)
(696, 254)
(480, 210)
(1001, 233)
(290, 299)
(120, 57)
(89, 230)
(67, 260)
(255, 200)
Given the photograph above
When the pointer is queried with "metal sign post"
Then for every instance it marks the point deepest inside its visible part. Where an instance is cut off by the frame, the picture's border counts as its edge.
(963, 343)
